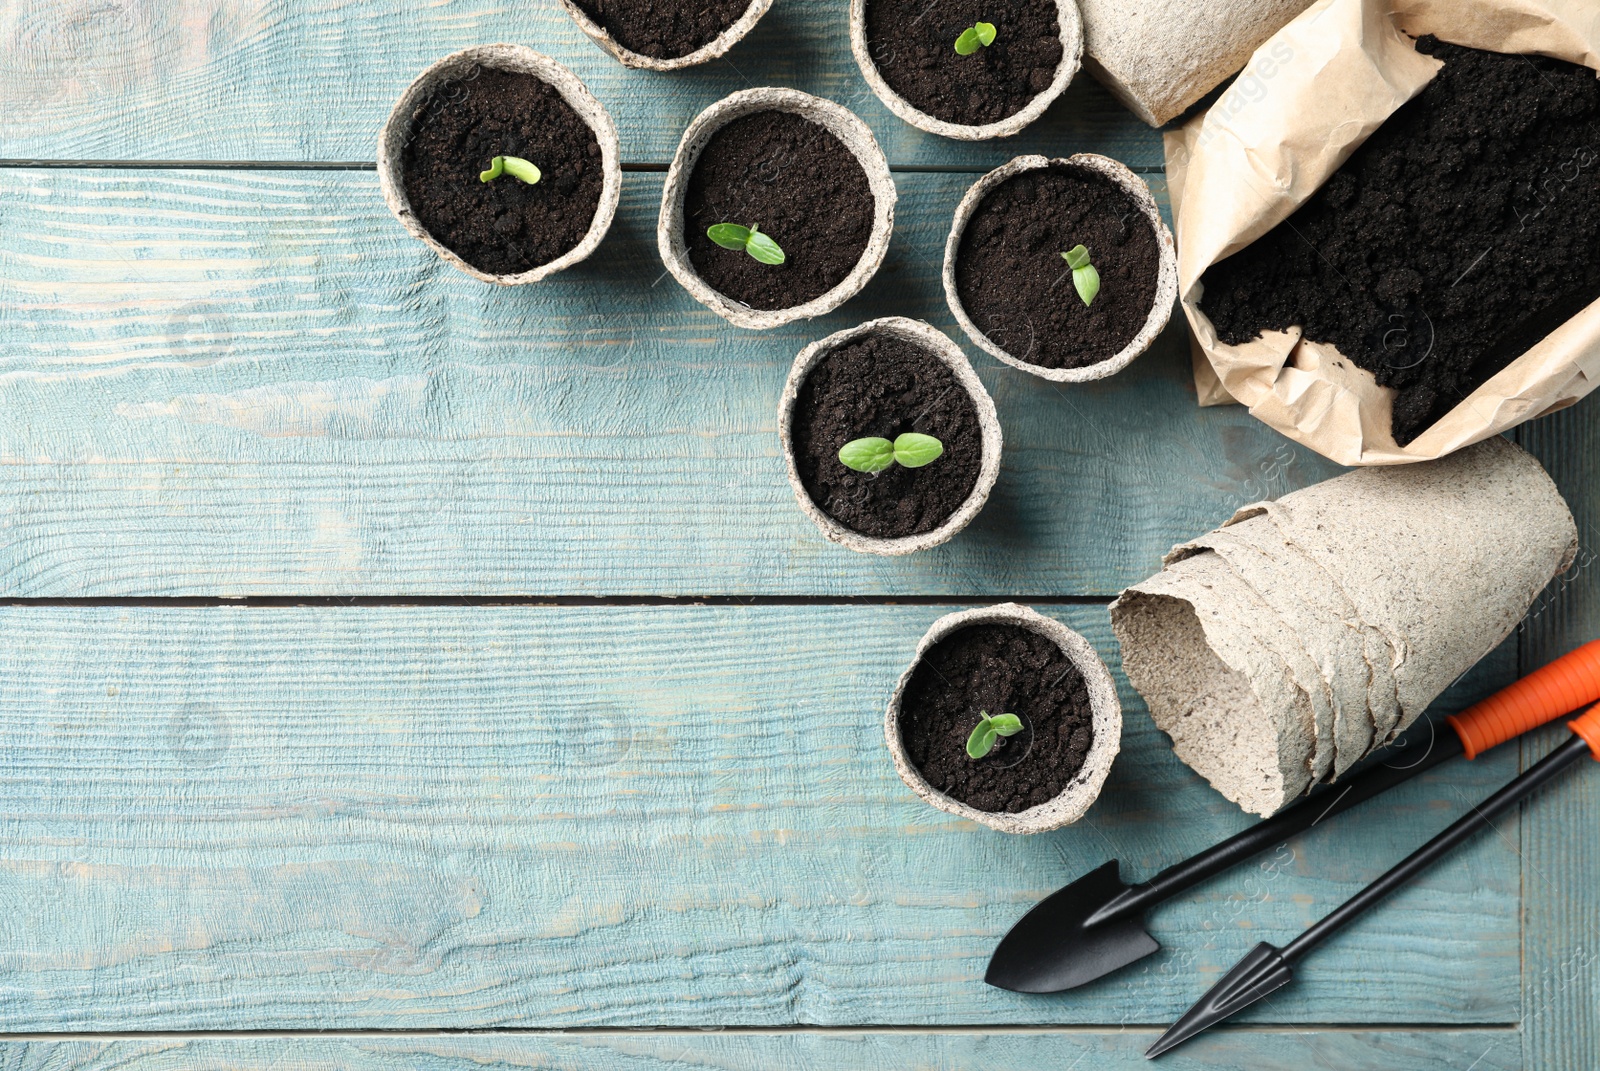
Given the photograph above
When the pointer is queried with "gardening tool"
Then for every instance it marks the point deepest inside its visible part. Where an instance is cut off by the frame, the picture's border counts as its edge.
(1267, 968)
(1096, 925)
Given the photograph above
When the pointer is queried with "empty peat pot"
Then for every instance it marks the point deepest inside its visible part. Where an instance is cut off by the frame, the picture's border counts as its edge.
(491, 101)
(806, 174)
(906, 50)
(1012, 290)
(666, 35)
(882, 379)
(1006, 659)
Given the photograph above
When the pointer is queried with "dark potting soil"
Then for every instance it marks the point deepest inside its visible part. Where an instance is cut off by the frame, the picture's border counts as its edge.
(998, 669)
(912, 43)
(799, 184)
(1462, 232)
(885, 386)
(1016, 287)
(664, 29)
(505, 226)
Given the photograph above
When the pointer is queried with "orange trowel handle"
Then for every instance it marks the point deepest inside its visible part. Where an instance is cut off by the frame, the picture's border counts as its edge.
(1561, 687)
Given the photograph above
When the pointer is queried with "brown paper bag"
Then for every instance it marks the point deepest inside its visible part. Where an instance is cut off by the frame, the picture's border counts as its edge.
(1309, 97)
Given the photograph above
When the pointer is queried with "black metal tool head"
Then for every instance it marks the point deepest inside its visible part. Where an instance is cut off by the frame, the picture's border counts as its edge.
(1072, 936)
(1263, 971)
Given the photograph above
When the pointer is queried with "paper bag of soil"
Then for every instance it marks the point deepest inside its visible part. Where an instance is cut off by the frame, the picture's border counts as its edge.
(1306, 633)
(1334, 75)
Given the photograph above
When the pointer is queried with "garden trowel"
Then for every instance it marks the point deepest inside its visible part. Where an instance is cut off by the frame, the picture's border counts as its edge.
(1096, 925)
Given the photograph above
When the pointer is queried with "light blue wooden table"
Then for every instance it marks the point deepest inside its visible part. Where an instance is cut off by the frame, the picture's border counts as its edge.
(317, 557)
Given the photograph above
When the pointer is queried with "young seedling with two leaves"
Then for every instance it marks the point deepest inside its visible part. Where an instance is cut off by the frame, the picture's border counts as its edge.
(749, 239)
(975, 37)
(1084, 275)
(988, 730)
(515, 166)
(873, 454)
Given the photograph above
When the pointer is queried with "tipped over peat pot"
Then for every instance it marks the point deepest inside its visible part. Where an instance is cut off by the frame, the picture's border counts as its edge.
(1006, 659)
(906, 52)
(1012, 291)
(808, 174)
(501, 100)
(883, 378)
(666, 35)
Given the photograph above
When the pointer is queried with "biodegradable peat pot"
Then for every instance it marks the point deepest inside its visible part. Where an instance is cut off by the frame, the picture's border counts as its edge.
(1013, 294)
(820, 215)
(922, 62)
(908, 509)
(573, 176)
(657, 34)
(1306, 633)
(1038, 684)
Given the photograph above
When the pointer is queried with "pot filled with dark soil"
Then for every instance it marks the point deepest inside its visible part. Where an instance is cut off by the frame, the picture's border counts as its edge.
(1062, 268)
(503, 163)
(967, 69)
(778, 206)
(1006, 717)
(665, 35)
(1453, 240)
(892, 443)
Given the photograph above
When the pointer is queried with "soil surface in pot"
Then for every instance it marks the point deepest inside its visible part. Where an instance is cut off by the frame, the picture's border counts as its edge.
(912, 43)
(505, 226)
(800, 185)
(998, 669)
(664, 29)
(885, 386)
(1462, 232)
(1014, 284)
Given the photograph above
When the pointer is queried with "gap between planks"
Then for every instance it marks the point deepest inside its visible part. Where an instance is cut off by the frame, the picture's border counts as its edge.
(367, 165)
(1067, 1029)
(274, 601)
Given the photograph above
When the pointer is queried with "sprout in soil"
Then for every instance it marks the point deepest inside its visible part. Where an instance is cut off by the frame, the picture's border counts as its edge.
(514, 166)
(981, 742)
(1084, 275)
(872, 454)
(750, 239)
(975, 37)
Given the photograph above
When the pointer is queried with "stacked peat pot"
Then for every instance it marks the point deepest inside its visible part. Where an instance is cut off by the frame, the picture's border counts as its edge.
(1304, 634)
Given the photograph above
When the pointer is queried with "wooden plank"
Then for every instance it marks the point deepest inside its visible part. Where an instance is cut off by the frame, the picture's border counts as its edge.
(1377, 1050)
(1560, 861)
(300, 80)
(378, 818)
(256, 383)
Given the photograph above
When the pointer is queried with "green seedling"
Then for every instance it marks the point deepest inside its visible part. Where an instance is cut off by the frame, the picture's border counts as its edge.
(872, 454)
(975, 37)
(988, 730)
(750, 239)
(1084, 275)
(514, 166)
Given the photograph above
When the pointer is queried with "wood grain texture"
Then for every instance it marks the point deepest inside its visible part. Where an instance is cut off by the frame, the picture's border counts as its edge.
(256, 383)
(1560, 861)
(385, 818)
(1376, 1050)
(303, 80)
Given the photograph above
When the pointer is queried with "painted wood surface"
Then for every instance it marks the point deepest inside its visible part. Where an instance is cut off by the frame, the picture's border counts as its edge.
(414, 817)
(307, 80)
(1560, 861)
(1377, 1050)
(262, 385)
